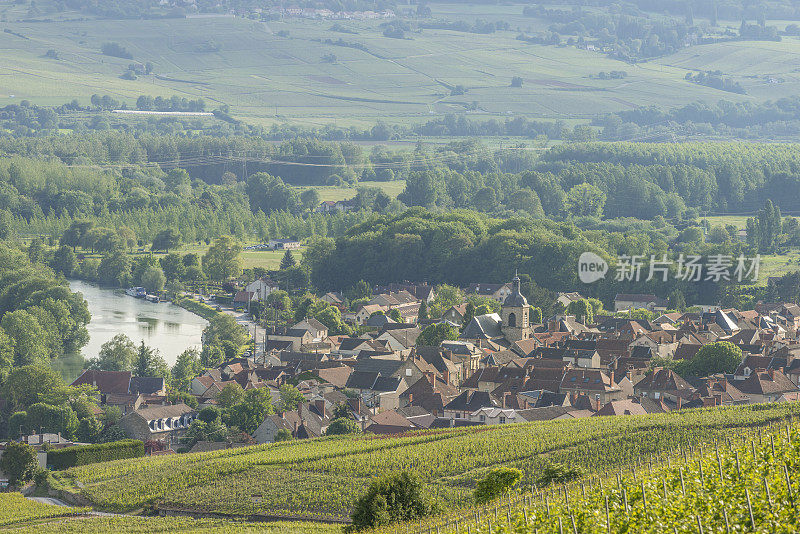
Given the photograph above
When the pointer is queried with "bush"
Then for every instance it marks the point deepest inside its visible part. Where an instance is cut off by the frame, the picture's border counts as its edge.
(89, 454)
(557, 474)
(283, 435)
(496, 483)
(398, 497)
(342, 425)
(19, 463)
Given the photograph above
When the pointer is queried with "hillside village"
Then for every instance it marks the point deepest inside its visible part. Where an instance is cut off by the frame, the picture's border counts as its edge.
(503, 368)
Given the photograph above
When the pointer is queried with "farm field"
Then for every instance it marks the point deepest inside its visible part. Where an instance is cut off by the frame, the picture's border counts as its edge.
(397, 80)
(320, 478)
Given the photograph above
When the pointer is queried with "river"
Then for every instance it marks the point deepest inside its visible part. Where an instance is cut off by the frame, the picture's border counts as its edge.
(164, 326)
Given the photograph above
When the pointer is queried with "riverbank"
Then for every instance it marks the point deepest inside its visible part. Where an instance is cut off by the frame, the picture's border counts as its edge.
(166, 326)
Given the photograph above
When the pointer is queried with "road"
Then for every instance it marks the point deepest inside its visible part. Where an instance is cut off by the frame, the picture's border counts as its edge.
(58, 502)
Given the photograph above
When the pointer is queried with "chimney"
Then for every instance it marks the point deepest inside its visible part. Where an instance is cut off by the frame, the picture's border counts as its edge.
(506, 399)
(680, 403)
(771, 373)
(446, 375)
(410, 398)
(431, 377)
(319, 404)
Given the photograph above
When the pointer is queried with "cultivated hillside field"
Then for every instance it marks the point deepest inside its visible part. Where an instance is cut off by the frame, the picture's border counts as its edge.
(320, 479)
(283, 70)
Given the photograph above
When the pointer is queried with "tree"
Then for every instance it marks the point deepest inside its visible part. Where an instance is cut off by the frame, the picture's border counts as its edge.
(310, 199)
(148, 362)
(291, 398)
(582, 311)
(224, 328)
(469, 314)
(64, 261)
(287, 260)
(222, 261)
(422, 314)
(535, 315)
(434, 334)
(153, 279)
(341, 426)
(166, 239)
(250, 413)
(114, 269)
(211, 356)
(117, 354)
(200, 430)
(496, 483)
(24, 385)
(74, 234)
(398, 497)
(586, 200)
(676, 300)
(187, 366)
(89, 430)
(283, 435)
(18, 462)
(53, 419)
(719, 357)
(172, 266)
(209, 414)
(230, 395)
(29, 338)
(394, 314)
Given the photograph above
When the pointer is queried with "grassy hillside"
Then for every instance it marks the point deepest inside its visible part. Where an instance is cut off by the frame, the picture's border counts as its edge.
(266, 77)
(320, 478)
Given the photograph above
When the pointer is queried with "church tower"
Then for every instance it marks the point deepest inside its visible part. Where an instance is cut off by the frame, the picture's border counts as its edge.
(516, 314)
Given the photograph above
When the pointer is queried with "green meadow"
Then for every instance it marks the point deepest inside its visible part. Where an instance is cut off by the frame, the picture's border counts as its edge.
(275, 72)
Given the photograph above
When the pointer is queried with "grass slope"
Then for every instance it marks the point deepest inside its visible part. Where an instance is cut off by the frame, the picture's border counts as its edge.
(320, 479)
(266, 78)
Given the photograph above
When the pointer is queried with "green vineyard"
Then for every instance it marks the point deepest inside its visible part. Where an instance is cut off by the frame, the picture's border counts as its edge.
(746, 481)
(320, 479)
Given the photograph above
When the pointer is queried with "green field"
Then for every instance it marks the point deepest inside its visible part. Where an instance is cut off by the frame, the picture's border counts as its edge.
(19, 514)
(329, 192)
(267, 78)
(320, 478)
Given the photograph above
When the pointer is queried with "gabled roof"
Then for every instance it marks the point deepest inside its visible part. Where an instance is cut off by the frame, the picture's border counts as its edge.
(766, 383)
(621, 407)
(483, 327)
(470, 401)
(665, 380)
(107, 382)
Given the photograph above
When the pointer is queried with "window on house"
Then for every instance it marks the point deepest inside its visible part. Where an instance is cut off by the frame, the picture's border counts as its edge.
(408, 372)
(483, 419)
(512, 320)
(657, 395)
(502, 419)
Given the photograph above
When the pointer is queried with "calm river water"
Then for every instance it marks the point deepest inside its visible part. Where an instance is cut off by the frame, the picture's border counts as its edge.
(163, 326)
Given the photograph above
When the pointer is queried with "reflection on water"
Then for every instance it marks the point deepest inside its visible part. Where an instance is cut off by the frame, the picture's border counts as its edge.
(164, 326)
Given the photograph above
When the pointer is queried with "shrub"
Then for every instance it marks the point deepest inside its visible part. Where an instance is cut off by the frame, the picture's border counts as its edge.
(89, 454)
(497, 482)
(398, 497)
(342, 425)
(19, 463)
(557, 474)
